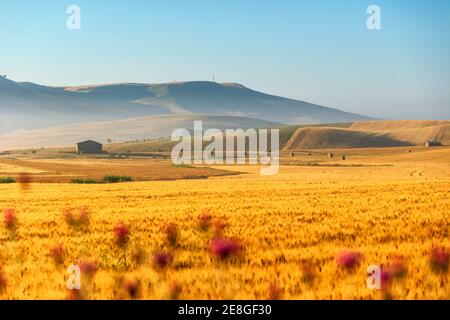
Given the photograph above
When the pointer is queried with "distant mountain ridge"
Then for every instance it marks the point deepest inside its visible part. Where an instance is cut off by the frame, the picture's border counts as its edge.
(25, 105)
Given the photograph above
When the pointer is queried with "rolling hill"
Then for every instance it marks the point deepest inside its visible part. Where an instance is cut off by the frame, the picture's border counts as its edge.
(149, 127)
(397, 124)
(370, 134)
(29, 106)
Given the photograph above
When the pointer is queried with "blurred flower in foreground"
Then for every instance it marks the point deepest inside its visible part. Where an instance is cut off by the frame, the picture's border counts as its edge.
(162, 260)
(439, 259)
(68, 216)
(121, 234)
(224, 248)
(84, 216)
(386, 278)
(3, 281)
(75, 294)
(57, 252)
(275, 292)
(204, 220)
(175, 291)
(348, 259)
(171, 232)
(77, 219)
(10, 219)
(396, 269)
(88, 268)
(132, 287)
(397, 266)
(24, 180)
(308, 272)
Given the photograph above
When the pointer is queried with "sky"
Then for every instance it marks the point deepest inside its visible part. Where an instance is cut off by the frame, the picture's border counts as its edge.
(318, 51)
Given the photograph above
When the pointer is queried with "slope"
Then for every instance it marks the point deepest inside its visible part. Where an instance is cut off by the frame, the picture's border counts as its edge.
(30, 106)
(377, 134)
(149, 127)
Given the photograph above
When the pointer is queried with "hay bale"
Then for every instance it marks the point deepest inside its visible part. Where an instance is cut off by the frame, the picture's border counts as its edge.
(330, 155)
(343, 157)
(292, 154)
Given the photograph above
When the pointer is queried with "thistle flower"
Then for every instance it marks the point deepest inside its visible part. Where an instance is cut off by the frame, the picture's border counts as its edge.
(162, 260)
(348, 259)
(84, 216)
(76, 220)
(171, 232)
(224, 248)
(3, 281)
(175, 291)
(68, 216)
(308, 273)
(439, 259)
(57, 252)
(75, 294)
(204, 220)
(24, 180)
(394, 270)
(132, 287)
(88, 268)
(397, 266)
(275, 292)
(121, 234)
(386, 278)
(10, 219)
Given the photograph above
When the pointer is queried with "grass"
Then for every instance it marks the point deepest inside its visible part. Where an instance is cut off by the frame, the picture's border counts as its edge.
(83, 181)
(188, 166)
(7, 180)
(117, 179)
(193, 177)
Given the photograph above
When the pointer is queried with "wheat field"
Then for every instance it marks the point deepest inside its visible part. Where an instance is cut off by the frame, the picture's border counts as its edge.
(306, 233)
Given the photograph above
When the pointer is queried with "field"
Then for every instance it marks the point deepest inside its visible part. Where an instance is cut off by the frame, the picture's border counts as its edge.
(95, 169)
(309, 232)
(370, 134)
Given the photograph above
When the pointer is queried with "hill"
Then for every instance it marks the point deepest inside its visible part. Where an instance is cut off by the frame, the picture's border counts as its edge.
(164, 144)
(390, 125)
(149, 127)
(370, 134)
(29, 106)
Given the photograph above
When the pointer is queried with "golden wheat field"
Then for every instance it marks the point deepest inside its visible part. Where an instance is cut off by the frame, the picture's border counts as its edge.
(309, 232)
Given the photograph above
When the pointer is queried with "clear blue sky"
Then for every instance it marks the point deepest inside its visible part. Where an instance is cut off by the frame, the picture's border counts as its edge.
(318, 51)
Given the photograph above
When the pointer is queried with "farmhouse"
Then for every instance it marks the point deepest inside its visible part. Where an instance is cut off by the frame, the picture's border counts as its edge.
(431, 143)
(89, 147)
